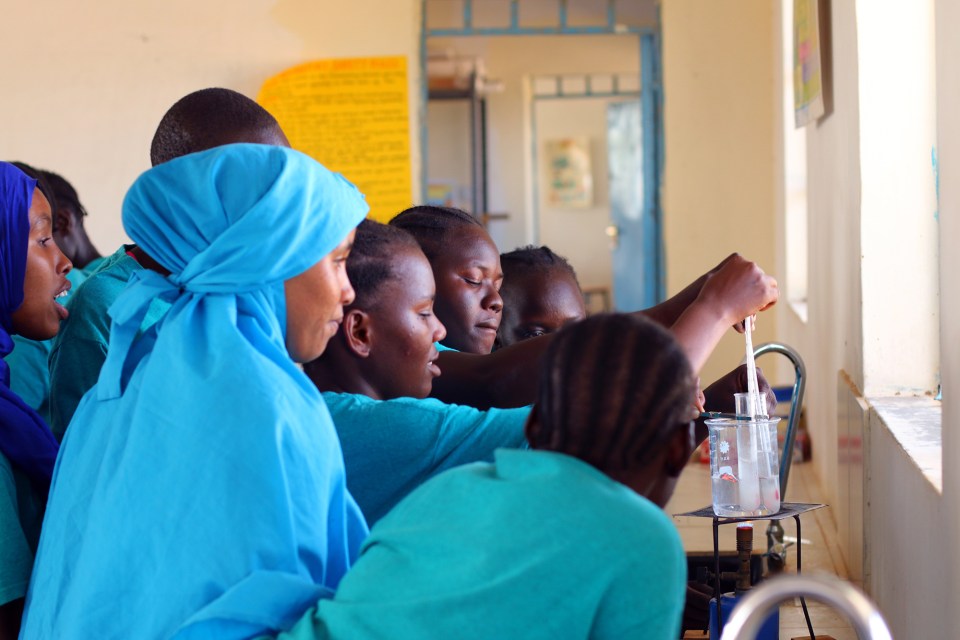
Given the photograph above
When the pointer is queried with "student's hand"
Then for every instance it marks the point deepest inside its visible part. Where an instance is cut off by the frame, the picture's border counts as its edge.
(739, 327)
(719, 395)
(722, 264)
(738, 289)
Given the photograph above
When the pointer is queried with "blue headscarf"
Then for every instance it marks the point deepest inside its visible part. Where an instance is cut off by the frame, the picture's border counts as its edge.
(200, 490)
(25, 439)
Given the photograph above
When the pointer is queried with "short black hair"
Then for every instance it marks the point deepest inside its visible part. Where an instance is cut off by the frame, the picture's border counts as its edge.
(430, 225)
(368, 265)
(534, 259)
(613, 388)
(42, 183)
(64, 194)
(205, 119)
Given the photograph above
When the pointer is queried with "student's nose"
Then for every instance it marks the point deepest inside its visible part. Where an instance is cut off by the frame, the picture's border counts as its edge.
(493, 301)
(347, 293)
(63, 264)
(439, 331)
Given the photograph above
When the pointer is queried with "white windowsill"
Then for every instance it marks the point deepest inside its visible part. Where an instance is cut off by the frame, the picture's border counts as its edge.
(799, 307)
(915, 423)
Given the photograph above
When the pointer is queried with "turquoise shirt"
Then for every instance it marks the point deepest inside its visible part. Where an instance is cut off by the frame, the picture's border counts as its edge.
(29, 370)
(80, 349)
(390, 447)
(21, 511)
(535, 545)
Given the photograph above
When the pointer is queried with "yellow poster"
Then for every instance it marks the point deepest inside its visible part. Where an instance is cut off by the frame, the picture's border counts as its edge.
(352, 115)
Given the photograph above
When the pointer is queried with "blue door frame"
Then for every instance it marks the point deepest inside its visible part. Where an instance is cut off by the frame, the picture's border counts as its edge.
(651, 103)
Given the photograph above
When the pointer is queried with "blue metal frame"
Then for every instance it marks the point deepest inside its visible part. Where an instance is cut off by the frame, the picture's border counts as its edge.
(651, 98)
(514, 28)
(650, 91)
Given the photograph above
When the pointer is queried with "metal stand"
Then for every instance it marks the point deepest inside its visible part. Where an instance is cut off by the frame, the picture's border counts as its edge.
(787, 510)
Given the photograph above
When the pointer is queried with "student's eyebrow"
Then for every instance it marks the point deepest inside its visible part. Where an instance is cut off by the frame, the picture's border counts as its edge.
(42, 219)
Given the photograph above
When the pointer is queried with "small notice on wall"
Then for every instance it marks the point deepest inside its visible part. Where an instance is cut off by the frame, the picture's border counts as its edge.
(352, 115)
(570, 179)
(807, 67)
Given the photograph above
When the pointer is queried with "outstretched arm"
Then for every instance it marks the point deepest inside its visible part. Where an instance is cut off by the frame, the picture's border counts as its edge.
(509, 377)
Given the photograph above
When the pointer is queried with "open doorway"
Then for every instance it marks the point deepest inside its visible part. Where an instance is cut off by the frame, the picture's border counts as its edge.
(588, 38)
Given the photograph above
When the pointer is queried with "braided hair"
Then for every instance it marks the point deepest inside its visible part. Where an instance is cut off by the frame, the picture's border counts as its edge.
(368, 265)
(430, 225)
(64, 194)
(613, 389)
(205, 119)
(532, 258)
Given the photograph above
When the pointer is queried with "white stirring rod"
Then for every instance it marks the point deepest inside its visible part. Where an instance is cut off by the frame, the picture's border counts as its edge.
(757, 405)
(748, 475)
(753, 388)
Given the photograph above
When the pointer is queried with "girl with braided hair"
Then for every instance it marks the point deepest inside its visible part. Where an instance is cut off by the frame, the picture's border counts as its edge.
(379, 369)
(566, 540)
(466, 266)
(541, 295)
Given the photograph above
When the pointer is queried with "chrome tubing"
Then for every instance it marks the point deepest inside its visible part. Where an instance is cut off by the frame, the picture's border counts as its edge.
(752, 610)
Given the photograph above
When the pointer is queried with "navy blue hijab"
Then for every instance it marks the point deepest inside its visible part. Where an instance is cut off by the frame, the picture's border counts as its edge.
(25, 439)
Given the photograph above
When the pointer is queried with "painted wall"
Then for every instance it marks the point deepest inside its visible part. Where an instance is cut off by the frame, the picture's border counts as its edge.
(831, 338)
(907, 570)
(948, 152)
(719, 135)
(871, 338)
(87, 83)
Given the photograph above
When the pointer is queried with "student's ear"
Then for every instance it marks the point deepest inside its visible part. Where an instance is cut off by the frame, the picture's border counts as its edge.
(356, 332)
(63, 222)
(531, 429)
(679, 449)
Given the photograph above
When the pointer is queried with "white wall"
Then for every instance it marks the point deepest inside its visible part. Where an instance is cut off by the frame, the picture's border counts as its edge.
(87, 83)
(872, 326)
(832, 338)
(948, 150)
(907, 570)
(898, 229)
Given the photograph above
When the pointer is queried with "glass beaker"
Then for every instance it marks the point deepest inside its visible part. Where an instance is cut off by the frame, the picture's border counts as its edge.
(744, 466)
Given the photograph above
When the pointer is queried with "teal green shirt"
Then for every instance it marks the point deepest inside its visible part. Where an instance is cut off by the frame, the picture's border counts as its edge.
(535, 545)
(21, 511)
(80, 348)
(390, 447)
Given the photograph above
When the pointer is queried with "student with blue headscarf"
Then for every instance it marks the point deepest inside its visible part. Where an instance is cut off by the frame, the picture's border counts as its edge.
(200, 489)
(32, 276)
(29, 371)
